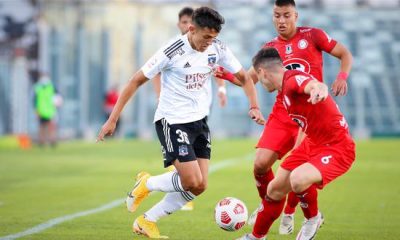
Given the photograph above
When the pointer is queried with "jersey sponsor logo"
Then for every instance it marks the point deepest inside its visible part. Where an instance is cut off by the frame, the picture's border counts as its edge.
(212, 59)
(289, 49)
(302, 44)
(326, 159)
(196, 81)
(300, 79)
(183, 150)
(297, 64)
(174, 49)
(300, 120)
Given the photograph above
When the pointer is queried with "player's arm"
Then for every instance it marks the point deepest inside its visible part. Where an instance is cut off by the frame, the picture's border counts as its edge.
(251, 93)
(129, 90)
(338, 50)
(318, 91)
(222, 73)
(157, 85)
(222, 99)
(339, 86)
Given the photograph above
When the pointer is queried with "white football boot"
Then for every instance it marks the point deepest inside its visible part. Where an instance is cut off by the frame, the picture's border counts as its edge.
(310, 227)
(253, 217)
(287, 224)
(250, 236)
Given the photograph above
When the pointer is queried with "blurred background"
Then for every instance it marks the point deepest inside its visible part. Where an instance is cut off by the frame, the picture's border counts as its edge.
(87, 47)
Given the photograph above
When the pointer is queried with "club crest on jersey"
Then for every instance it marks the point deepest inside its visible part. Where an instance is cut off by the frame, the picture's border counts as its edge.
(183, 150)
(303, 44)
(289, 49)
(212, 59)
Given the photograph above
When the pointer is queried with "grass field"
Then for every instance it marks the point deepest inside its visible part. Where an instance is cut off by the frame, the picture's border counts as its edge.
(42, 184)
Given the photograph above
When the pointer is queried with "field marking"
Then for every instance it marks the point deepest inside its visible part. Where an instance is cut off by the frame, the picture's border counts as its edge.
(55, 221)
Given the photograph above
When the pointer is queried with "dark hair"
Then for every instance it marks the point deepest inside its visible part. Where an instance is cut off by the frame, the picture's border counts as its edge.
(266, 57)
(186, 11)
(206, 17)
(282, 3)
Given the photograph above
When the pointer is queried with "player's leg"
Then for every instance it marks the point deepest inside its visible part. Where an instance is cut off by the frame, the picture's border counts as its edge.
(177, 150)
(42, 131)
(326, 164)
(276, 140)
(303, 180)
(272, 205)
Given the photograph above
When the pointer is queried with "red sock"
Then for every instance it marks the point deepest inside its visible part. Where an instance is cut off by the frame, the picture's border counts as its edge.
(262, 182)
(271, 211)
(291, 203)
(309, 202)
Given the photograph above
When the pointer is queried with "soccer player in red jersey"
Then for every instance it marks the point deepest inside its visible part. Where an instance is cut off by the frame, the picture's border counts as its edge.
(300, 49)
(326, 153)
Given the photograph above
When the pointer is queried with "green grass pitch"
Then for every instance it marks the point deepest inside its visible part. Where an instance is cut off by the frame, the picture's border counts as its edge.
(41, 184)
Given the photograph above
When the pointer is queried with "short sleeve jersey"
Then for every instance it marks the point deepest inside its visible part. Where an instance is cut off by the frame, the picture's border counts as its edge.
(322, 122)
(303, 52)
(186, 78)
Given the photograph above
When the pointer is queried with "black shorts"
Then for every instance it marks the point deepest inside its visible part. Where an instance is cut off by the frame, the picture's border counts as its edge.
(184, 142)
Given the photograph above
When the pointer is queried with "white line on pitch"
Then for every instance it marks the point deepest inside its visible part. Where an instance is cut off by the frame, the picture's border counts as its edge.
(55, 221)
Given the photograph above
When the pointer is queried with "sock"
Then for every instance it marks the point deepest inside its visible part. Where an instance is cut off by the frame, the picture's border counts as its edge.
(167, 182)
(262, 182)
(291, 203)
(309, 202)
(271, 211)
(170, 203)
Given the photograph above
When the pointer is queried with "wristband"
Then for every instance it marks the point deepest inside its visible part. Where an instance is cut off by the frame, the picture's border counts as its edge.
(222, 89)
(342, 76)
(226, 75)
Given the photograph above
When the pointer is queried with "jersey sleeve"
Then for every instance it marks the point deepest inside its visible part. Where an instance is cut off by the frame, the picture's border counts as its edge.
(155, 64)
(322, 40)
(297, 83)
(228, 60)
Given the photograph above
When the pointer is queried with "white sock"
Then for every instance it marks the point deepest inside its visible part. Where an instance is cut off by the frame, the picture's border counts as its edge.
(172, 202)
(167, 182)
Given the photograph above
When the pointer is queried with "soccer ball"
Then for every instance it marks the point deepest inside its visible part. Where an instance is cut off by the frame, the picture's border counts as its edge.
(230, 214)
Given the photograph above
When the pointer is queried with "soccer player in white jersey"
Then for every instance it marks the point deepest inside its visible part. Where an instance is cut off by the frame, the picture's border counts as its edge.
(186, 64)
(184, 21)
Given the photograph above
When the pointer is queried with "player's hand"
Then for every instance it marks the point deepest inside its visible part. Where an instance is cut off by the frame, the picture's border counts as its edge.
(257, 116)
(219, 72)
(107, 130)
(339, 87)
(318, 94)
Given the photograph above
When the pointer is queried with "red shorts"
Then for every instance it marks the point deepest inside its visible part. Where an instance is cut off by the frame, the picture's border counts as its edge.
(278, 136)
(331, 160)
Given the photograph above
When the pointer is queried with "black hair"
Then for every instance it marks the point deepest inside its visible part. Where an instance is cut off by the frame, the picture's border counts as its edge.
(186, 11)
(206, 17)
(266, 57)
(282, 3)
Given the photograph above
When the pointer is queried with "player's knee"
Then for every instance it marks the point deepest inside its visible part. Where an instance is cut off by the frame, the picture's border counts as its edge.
(263, 161)
(194, 184)
(298, 182)
(275, 191)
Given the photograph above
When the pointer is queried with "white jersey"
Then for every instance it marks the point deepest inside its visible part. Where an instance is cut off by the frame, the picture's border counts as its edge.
(186, 78)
